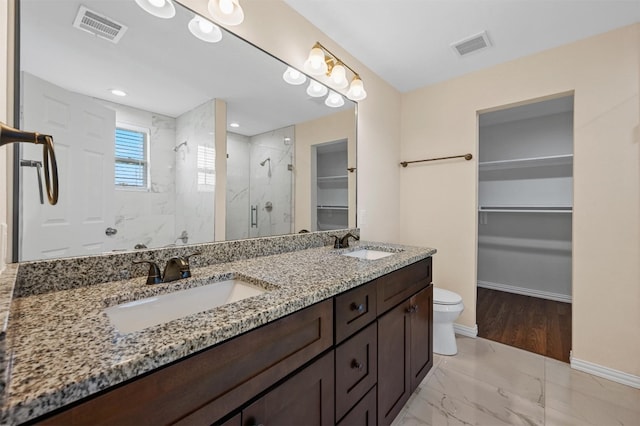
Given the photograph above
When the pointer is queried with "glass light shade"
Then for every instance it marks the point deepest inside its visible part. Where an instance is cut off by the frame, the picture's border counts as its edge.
(159, 8)
(293, 76)
(356, 90)
(339, 76)
(334, 100)
(315, 64)
(205, 30)
(227, 12)
(316, 90)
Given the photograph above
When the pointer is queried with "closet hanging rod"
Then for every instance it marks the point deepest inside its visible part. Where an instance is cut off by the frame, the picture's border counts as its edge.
(465, 156)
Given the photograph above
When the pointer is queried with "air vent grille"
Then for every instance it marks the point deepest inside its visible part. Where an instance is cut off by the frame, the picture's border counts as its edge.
(472, 44)
(98, 24)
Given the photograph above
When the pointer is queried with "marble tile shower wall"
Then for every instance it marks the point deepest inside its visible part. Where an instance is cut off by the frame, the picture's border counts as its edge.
(62, 274)
(272, 182)
(141, 216)
(238, 213)
(194, 203)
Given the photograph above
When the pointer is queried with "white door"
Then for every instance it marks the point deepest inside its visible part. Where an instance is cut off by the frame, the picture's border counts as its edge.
(83, 133)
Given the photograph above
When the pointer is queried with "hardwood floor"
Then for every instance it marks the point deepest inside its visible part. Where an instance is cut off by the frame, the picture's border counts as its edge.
(536, 325)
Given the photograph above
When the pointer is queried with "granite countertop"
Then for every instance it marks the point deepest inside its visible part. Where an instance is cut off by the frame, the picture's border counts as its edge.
(61, 346)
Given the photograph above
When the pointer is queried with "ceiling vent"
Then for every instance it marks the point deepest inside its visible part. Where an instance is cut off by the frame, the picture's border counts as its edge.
(472, 44)
(98, 24)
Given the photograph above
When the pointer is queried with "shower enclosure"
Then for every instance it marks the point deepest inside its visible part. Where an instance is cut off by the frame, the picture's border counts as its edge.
(260, 184)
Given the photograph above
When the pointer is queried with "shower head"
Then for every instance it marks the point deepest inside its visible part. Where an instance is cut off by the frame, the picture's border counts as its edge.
(265, 161)
(177, 147)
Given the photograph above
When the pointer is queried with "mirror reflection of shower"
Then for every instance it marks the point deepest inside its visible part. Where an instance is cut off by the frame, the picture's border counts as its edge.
(260, 184)
(262, 163)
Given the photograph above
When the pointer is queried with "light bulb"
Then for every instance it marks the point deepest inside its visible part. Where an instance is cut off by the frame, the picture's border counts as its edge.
(205, 26)
(316, 90)
(226, 7)
(334, 100)
(157, 3)
(356, 90)
(315, 64)
(339, 76)
(293, 76)
(227, 12)
(159, 8)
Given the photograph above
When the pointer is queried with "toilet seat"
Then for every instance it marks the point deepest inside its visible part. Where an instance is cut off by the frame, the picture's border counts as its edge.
(445, 297)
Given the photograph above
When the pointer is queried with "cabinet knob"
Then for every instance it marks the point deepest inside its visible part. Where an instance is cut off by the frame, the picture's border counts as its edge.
(411, 309)
(357, 365)
(357, 307)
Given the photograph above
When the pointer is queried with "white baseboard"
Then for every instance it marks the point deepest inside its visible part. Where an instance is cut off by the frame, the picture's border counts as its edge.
(525, 291)
(463, 330)
(606, 372)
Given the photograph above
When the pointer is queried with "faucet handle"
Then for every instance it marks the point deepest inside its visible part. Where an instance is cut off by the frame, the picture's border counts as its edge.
(336, 241)
(153, 276)
(185, 268)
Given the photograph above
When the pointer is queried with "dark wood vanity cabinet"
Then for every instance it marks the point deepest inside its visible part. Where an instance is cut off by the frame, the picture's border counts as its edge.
(350, 360)
(405, 352)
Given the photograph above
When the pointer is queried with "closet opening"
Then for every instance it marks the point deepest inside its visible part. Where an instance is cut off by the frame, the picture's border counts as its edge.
(525, 205)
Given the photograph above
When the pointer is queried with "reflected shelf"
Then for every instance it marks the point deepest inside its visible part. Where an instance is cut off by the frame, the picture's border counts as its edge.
(333, 208)
(332, 178)
(526, 209)
(553, 160)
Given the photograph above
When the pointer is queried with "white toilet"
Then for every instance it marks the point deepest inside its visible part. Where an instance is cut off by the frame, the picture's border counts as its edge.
(447, 307)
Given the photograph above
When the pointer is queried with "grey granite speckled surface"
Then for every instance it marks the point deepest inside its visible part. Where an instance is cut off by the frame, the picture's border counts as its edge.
(62, 347)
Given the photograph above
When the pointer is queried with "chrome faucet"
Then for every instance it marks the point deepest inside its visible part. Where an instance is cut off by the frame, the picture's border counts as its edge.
(344, 241)
(176, 268)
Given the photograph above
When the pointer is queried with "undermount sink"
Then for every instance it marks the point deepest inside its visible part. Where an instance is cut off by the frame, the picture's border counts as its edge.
(140, 314)
(368, 254)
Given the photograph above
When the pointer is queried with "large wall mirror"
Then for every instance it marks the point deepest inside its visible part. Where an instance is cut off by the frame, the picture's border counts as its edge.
(205, 142)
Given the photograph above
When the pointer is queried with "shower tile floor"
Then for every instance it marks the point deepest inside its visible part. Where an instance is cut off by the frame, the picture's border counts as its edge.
(488, 383)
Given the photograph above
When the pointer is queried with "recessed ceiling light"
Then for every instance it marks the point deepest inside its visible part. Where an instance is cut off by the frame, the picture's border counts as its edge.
(118, 92)
(234, 125)
(159, 8)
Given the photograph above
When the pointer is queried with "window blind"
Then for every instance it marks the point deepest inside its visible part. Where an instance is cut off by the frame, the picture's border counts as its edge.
(131, 158)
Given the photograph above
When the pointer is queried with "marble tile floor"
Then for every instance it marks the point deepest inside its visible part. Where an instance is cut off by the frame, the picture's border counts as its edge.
(488, 383)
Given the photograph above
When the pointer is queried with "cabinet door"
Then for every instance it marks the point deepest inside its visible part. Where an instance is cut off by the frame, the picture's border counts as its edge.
(364, 412)
(421, 342)
(307, 398)
(393, 363)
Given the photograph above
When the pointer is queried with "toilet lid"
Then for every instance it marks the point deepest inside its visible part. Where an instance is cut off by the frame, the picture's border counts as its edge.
(445, 297)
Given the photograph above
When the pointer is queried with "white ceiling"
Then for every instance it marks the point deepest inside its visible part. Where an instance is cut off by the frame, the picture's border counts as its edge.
(162, 67)
(407, 42)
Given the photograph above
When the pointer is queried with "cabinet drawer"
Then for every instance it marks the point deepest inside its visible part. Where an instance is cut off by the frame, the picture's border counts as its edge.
(356, 368)
(355, 309)
(395, 287)
(364, 413)
(206, 386)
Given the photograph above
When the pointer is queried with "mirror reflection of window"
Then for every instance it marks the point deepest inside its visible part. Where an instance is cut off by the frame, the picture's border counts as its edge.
(206, 168)
(131, 158)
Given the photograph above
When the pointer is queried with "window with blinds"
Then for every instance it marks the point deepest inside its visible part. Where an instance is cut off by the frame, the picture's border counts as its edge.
(206, 168)
(131, 158)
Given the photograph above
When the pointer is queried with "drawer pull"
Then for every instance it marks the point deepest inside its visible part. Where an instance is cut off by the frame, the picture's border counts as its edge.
(357, 307)
(411, 309)
(357, 365)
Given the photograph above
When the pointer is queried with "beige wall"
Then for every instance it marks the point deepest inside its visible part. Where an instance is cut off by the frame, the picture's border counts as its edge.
(278, 29)
(439, 201)
(327, 129)
(5, 108)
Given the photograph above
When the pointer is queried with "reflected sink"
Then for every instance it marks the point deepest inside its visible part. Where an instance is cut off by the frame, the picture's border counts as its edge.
(140, 314)
(368, 254)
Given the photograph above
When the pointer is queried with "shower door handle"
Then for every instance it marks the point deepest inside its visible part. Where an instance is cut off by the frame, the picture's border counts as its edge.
(38, 166)
(254, 216)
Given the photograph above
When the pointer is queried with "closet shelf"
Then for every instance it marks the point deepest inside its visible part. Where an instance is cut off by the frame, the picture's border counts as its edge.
(332, 178)
(333, 208)
(553, 160)
(526, 209)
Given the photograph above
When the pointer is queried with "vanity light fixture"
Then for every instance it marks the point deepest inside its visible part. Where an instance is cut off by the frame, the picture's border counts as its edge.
(334, 100)
(235, 125)
(316, 90)
(205, 30)
(227, 12)
(159, 8)
(294, 77)
(321, 62)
